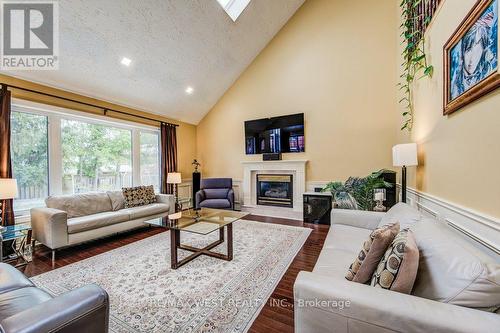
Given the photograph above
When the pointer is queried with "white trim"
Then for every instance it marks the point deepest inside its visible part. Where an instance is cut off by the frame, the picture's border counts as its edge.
(297, 168)
(486, 220)
(480, 229)
(136, 157)
(54, 155)
(472, 235)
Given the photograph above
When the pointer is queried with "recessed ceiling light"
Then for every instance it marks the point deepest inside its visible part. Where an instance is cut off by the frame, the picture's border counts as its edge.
(126, 61)
(189, 90)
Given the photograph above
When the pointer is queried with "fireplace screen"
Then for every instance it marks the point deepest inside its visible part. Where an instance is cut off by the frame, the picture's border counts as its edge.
(275, 190)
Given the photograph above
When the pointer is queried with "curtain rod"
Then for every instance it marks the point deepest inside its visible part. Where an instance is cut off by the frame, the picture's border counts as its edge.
(5, 85)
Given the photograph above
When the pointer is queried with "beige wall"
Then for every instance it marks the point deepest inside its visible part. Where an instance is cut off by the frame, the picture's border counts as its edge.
(460, 153)
(334, 61)
(186, 133)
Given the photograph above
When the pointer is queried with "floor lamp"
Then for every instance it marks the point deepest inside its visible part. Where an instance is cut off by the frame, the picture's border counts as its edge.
(404, 155)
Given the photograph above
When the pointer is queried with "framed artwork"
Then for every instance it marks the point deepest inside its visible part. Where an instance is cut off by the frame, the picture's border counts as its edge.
(471, 57)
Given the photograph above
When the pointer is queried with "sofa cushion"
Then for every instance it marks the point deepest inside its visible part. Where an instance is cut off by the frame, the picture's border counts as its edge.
(11, 278)
(139, 196)
(402, 213)
(451, 270)
(95, 221)
(18, 300)
(80, 204)
(344, 237)
(215, 203)
(148, 210)
(398, 268)
(216, 193)
(372, 251)
(333, 262)
(117, 199)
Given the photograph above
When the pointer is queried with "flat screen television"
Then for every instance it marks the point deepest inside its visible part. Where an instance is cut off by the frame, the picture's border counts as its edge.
(283, 134)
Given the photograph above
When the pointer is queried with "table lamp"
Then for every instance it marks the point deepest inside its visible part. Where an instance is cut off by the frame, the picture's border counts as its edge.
(175, 179)
(404, 155)
(8, 190)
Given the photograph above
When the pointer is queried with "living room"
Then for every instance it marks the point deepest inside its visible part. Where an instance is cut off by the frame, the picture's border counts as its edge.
(250, 166)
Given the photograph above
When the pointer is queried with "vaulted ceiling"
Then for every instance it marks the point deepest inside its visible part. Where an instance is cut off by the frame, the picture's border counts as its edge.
(173, 44)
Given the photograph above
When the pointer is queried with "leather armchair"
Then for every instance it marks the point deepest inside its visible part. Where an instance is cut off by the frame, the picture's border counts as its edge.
(28, 309)
(215, 193)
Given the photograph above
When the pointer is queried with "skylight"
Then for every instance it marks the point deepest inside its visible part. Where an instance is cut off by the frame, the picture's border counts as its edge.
(234, 8)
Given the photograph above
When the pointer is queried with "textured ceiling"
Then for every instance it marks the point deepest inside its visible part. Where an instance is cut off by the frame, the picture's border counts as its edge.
(173, 44)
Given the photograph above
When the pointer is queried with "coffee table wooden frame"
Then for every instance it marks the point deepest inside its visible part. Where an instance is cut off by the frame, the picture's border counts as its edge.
(175, 245)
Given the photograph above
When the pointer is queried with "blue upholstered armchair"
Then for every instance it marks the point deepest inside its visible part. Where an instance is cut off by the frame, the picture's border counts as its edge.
(215, 193)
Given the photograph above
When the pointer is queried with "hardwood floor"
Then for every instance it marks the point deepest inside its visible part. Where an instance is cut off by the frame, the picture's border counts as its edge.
(277, 314)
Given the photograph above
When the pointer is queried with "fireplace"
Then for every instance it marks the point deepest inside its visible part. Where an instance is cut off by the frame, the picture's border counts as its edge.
(275, 190)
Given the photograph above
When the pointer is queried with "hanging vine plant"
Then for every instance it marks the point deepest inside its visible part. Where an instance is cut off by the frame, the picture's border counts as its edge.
(415, 66)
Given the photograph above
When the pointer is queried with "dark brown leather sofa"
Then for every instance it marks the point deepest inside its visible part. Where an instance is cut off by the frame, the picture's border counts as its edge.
(28, 309)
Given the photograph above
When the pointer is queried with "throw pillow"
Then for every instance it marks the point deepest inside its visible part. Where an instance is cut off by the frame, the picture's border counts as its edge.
(406, 215)
(117, 199)
(138, 196)
(361, 270)
(398, 268)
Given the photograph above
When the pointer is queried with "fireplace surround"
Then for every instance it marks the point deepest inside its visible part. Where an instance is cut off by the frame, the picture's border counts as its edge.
(251, 169)
(275, 190)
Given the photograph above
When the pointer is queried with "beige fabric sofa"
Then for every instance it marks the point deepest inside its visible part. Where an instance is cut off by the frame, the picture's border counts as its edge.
(72, 219)
(442, 299)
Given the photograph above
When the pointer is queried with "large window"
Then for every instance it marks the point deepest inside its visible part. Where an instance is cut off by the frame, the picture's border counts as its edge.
(30, 166)
(95, 157)
(56, 152)
(150, 159)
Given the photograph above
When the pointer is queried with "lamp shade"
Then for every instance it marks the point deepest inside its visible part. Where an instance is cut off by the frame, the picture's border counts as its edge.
(8, 188)
(404, 155)
(174, 178)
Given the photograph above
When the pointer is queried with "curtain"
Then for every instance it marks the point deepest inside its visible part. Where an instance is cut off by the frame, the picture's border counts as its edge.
(168, 155)
(5, 162)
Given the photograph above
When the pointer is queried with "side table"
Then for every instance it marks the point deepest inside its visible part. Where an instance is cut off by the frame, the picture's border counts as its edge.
(317, 207)
(186, 201)
(20, 235)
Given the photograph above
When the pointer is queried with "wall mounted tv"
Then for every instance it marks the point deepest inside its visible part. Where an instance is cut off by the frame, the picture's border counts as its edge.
(283, 134)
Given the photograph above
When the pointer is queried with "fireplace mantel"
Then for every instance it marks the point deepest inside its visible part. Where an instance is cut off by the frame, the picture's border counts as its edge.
(297, 168)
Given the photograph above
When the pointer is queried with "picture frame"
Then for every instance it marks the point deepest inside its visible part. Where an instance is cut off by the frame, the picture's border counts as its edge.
(471, 58)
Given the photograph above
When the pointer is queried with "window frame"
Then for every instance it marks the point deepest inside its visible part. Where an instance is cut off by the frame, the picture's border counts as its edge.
(157, 133)
(16, 108)
(54, 116)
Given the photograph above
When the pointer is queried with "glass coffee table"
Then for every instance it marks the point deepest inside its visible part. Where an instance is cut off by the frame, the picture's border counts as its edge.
(202, 222)
(20, 237)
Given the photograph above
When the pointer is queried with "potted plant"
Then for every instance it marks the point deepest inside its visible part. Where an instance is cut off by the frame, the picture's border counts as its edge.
(356, 193)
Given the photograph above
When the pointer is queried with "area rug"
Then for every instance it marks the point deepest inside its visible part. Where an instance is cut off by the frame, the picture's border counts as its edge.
(205, 295)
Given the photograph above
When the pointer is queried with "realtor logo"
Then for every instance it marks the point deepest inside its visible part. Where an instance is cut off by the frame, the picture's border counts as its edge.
(30, 35)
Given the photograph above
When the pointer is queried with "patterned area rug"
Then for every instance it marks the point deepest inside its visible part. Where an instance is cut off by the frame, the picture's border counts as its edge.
(205, 295)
